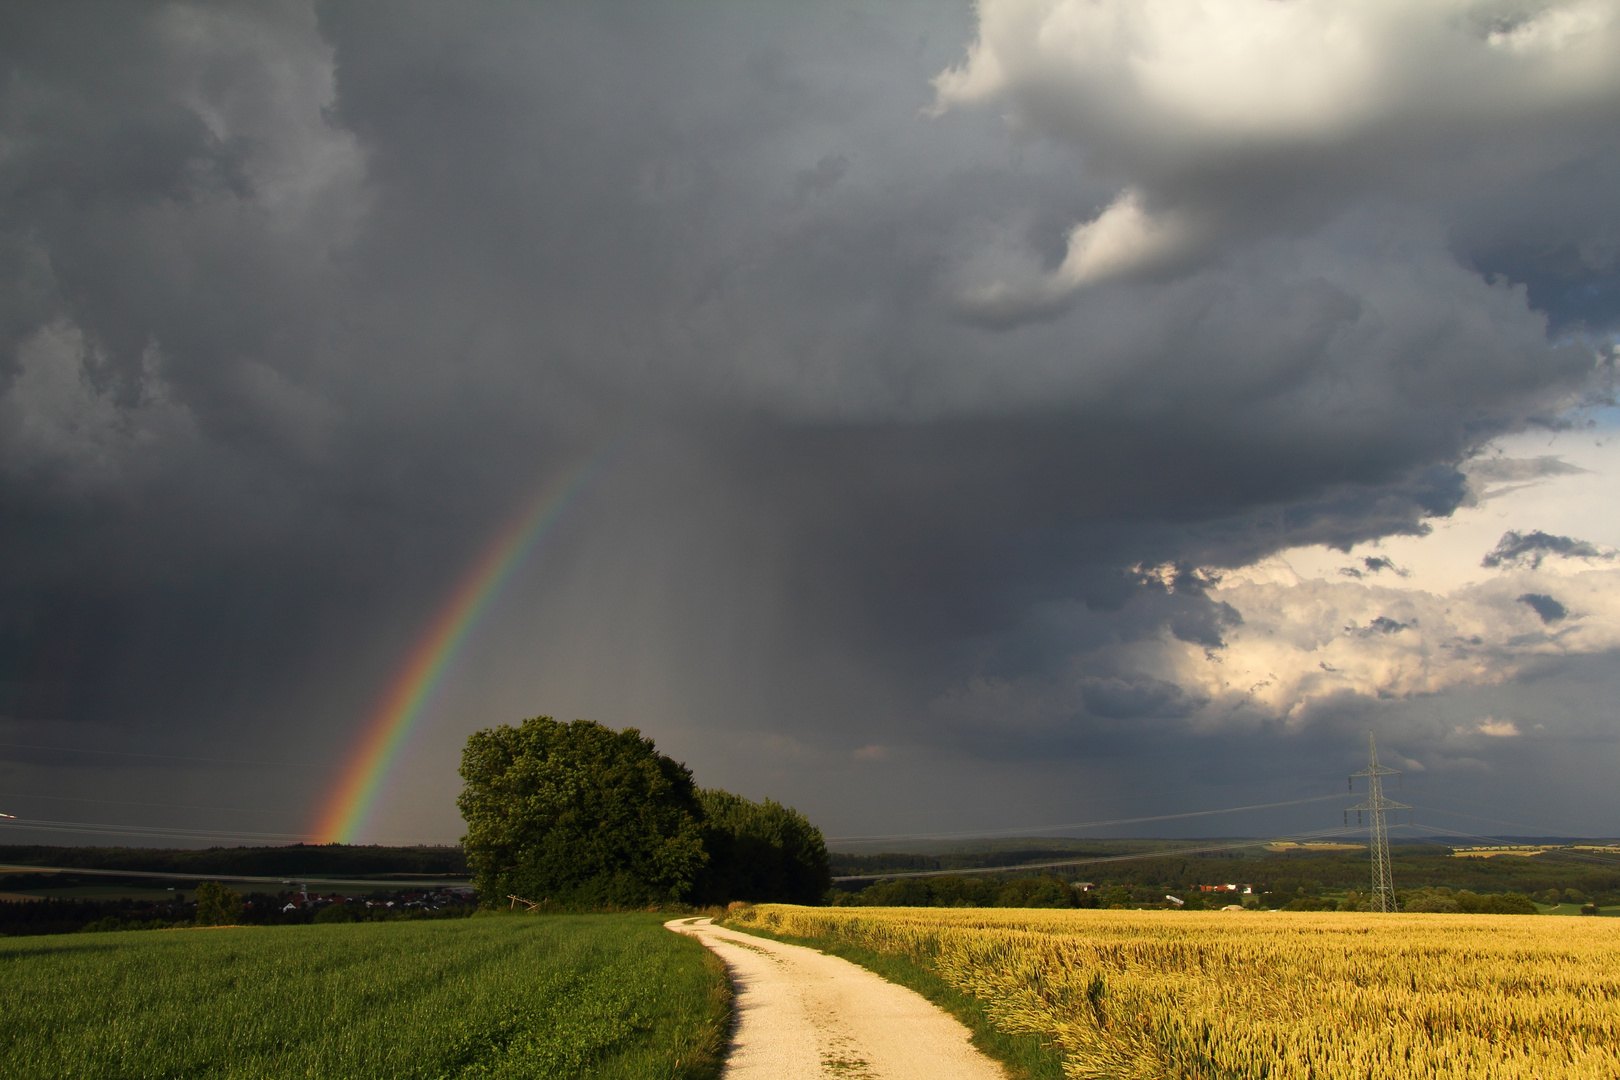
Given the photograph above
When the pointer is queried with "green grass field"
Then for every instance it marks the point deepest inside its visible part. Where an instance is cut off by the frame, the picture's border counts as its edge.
(601, 996)
(1575, 909)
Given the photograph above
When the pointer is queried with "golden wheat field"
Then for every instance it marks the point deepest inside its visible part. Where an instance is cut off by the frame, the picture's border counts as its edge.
(1207, 995)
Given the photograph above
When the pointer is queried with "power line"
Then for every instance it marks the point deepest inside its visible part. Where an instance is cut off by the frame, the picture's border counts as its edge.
(153, 831)
(12, 868)
(987, 833)
(156, 805)
(174, 757)
(1169, 853)
(160, 833)
(1477, 817)
(1580, 830)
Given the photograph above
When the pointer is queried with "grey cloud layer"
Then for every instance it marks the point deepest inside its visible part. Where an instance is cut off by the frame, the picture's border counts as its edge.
(1217, 122)
(298, 304)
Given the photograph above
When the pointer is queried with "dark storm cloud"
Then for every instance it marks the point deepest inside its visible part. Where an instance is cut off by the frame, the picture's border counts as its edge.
(300, 303)
(1549, 609)
(1372, 564)
(1517, 549)
(1118, 699)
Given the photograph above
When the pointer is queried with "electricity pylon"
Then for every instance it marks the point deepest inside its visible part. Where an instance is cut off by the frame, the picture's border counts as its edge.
(1383, 883)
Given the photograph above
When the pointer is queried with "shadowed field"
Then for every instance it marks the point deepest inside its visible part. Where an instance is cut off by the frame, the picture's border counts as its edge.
(600, 996)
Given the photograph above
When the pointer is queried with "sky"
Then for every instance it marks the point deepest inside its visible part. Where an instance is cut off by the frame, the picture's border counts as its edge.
(969, 418)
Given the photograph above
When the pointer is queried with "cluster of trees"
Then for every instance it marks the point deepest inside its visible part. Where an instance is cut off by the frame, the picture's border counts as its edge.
(1462, 902)
(20, 918)
(1281, 873)
(1043, 891)
(214, 904)
(1052, 892)
(218, 905)
(577, 815)
(1437, 899)
(1293, 880)
(978, 890)
(759, 851)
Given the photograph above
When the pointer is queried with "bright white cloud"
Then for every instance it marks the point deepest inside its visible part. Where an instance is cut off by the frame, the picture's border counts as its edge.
(1125, 240)
(1401, 618)
(1182, 78)
(1419, 615)
(1562, 484)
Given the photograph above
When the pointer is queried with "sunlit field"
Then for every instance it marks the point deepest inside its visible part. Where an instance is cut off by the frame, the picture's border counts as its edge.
(605, 996)
(1151, 994)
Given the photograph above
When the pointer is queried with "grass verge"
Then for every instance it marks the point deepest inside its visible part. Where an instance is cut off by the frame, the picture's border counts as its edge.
(1575, 909)
(1026, 1057)
(605, 997)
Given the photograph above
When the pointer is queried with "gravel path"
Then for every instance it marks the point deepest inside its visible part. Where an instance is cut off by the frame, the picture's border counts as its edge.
(804, 1015)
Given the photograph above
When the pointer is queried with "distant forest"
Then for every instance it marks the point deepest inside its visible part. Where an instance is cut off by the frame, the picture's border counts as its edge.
(314, 860)
(1300, 872)
(1297, 872)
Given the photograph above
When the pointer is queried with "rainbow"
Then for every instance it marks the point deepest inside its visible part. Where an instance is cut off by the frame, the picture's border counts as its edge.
(396, 715)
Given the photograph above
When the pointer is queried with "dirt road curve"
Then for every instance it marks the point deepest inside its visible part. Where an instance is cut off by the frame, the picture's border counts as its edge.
(803, 1015)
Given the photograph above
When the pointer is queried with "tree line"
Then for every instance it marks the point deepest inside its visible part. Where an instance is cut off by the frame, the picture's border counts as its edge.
(1049, 891)
(577, 815)
(1284, 874)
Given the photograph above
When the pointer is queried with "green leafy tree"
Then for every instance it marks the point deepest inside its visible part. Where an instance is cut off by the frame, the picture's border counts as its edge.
(1118, 896)
(760, 851)
(333, 913)
(578, 815)
(1042, 892)
(218, 905)
(1310, 903)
